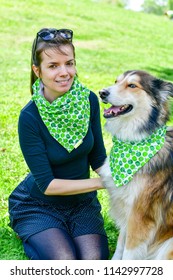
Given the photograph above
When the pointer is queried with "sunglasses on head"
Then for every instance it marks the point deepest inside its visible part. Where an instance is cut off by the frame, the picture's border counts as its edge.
(50, 34)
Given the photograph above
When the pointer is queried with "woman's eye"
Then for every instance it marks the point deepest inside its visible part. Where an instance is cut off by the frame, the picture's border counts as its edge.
(53, 66)
(70, 63)
(132, 85)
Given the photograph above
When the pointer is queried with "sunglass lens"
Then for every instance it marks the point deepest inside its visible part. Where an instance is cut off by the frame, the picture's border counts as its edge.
(66, 34)
(46, 35)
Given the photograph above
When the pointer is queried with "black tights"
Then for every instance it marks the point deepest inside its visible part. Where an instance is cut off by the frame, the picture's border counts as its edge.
(56, 244)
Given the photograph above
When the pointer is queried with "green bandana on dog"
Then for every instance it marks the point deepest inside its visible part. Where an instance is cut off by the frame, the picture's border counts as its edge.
(67, 117)
(126, 158)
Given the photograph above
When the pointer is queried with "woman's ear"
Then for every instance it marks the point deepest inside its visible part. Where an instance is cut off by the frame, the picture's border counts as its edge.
(36, 70)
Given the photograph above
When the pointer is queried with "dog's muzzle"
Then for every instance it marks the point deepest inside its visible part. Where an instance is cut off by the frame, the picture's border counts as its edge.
(104, 94)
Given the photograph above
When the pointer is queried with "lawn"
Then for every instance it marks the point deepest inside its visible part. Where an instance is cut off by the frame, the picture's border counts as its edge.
(108, 41)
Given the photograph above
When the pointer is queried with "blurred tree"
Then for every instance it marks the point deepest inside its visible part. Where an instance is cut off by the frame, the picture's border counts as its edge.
(157, 7)
(170, 4)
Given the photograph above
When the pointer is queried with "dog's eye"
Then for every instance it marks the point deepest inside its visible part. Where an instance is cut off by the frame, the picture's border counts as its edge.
(115, 81)
(132, 85)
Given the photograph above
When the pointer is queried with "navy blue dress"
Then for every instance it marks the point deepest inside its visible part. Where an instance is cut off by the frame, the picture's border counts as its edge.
(31, 211)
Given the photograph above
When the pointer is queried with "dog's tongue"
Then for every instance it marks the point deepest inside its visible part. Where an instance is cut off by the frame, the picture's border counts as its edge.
(112, 109)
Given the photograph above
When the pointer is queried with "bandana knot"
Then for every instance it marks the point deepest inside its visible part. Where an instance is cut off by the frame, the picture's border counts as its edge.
(67, 117)
(126, 158)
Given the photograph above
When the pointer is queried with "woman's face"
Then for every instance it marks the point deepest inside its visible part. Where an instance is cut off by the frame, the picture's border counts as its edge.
(57, 71)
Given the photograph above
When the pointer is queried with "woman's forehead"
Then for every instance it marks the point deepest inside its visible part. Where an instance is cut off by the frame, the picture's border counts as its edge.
(51, 53)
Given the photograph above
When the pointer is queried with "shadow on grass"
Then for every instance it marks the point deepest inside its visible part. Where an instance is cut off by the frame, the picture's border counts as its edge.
(162, 73)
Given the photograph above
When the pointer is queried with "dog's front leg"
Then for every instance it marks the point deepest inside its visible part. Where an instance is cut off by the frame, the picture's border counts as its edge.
(120, 246)
(137, 253)
(139, 234)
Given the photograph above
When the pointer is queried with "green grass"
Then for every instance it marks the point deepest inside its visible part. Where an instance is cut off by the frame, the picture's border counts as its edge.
(108, 41)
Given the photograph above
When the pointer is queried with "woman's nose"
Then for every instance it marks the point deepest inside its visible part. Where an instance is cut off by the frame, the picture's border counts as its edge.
(63, 70)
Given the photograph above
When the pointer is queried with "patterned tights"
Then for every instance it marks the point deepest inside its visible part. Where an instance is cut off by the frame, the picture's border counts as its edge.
(56, 244)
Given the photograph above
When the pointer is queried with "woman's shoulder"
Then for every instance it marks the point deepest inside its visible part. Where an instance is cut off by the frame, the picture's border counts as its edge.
(94, 102)
(93, 99)
(93, 95)
(29, 107)
(29, 111)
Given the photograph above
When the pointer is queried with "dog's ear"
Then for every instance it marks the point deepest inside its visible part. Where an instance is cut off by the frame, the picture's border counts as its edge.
(165, 88)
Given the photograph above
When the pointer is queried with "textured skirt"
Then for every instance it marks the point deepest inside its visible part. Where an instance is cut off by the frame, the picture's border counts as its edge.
(30, 215)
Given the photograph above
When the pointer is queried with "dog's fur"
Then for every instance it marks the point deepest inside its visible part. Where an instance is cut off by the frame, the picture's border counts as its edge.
(142, 209)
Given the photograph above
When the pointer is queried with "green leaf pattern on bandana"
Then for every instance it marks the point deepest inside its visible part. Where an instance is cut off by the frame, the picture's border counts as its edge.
(67, 117)
(126, 158)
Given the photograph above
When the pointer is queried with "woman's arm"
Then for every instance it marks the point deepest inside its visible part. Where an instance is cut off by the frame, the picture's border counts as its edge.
(70, 187)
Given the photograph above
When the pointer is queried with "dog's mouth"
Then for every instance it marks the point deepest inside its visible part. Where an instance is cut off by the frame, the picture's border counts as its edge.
(115, 111)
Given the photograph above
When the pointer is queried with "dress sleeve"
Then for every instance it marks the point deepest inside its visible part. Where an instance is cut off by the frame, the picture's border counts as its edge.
(97, 155)
(34, 150)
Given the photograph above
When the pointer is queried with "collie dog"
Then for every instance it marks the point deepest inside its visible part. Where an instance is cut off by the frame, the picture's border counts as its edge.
(138, 174)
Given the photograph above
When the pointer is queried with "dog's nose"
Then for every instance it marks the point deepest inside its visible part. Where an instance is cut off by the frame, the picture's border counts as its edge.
(104, 93)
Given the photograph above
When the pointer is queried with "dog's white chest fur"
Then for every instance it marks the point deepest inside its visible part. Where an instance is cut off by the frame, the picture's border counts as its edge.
(121, 198)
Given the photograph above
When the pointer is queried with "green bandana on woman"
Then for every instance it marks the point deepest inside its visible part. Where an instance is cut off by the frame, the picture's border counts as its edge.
(67, 117)
(126, 158)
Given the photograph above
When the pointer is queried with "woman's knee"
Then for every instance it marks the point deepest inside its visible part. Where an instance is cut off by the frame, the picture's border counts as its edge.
(50, 244)
(92, 247)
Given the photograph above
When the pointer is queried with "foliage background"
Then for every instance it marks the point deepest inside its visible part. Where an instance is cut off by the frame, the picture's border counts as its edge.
(109, 40)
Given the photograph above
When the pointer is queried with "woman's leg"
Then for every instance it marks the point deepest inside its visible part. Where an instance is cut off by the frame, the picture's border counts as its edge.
(92, 247)
(50, 244)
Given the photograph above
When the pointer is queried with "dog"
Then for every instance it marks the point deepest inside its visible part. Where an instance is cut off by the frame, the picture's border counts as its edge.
(141, 202)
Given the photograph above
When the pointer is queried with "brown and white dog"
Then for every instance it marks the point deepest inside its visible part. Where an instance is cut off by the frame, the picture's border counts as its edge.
(143, 208)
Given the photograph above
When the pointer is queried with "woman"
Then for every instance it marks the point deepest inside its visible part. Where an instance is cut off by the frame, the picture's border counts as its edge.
(55, 210)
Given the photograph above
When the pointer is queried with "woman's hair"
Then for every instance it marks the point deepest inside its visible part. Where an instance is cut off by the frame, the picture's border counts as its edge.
(39, 46)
